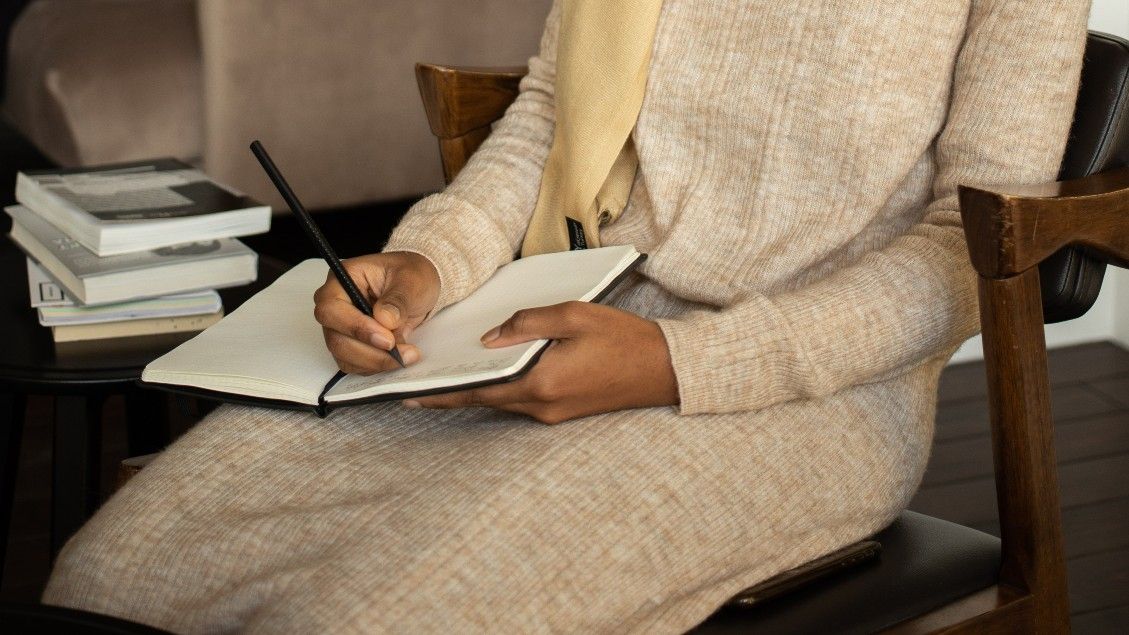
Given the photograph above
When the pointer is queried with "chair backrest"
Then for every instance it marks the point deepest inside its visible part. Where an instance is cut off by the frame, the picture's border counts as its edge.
(461, 104)
(1099, 142)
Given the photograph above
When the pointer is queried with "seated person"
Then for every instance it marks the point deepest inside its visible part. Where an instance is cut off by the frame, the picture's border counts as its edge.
(761, 392)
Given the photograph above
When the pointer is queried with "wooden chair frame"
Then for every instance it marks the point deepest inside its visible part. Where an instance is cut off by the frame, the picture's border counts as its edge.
(461, 104)
(1009, 232)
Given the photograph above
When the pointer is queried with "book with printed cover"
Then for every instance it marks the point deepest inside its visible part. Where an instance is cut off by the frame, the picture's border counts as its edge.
(83, 276)
(128, 207)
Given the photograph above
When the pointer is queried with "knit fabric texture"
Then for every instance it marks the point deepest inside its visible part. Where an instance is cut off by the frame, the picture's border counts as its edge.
(602, 59)
(796, 192)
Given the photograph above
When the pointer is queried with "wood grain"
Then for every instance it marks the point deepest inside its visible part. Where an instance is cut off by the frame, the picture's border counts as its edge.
(1115, 389)
(1101, 622)
(973, 502)
(1085, 438)
(995, 609)
(1015, 355)
(1087, 362)
(461, 103)
(1014, 228)
(963, 420)
(1089, 529)
(1099, 581)
(1070, 365)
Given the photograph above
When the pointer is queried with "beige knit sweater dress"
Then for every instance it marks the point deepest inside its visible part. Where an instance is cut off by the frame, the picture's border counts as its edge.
(796, 194)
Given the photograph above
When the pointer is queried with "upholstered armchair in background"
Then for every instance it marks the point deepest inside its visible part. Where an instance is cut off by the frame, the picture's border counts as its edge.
(328, 86)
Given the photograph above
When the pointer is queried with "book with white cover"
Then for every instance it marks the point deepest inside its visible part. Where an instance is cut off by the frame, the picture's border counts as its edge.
(270, 351)
(209, 264)
(134, 328)
(181, 304)
(127, 207)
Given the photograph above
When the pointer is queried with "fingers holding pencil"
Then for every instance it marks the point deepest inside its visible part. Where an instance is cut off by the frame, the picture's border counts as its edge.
(402, 288)
(337, 269)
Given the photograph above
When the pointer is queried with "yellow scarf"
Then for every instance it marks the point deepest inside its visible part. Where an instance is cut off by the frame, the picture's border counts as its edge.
(603, 55)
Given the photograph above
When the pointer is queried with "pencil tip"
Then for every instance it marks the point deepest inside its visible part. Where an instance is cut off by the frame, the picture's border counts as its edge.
(395, 353)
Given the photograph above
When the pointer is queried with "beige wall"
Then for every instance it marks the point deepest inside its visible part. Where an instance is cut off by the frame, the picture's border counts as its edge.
(1113, 16)
(330, 88)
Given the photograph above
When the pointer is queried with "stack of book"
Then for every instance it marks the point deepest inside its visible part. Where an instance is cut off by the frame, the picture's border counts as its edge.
(132, 249)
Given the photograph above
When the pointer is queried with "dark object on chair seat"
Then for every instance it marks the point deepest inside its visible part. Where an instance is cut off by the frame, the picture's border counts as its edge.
(799, 577)
(925, 563)
(1099, 142)
(40, 618)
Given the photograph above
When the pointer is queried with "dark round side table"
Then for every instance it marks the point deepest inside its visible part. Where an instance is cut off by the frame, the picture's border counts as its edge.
(79, 376)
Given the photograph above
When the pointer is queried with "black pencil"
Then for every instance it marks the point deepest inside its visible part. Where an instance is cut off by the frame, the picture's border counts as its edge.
(316, 237)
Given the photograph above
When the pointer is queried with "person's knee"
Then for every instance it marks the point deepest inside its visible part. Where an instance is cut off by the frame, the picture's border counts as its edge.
(76, 576)
(96, 560)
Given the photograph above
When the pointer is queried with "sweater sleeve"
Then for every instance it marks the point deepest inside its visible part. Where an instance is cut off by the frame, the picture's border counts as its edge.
(477, 223)
(1014, 89)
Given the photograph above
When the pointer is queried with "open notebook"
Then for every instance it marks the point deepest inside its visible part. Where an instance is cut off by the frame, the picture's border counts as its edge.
(270, 351)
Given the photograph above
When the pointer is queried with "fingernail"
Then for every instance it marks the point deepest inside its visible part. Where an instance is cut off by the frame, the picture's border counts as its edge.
(410, 355)
(410, 403)
(380, 340)
(491, 335)
(391, 310)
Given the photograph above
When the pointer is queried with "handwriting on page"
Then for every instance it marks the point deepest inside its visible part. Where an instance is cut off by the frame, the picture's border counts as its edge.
(411, 373)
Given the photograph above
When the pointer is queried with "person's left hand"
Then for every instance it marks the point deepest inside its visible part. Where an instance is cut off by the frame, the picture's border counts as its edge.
(601, 359)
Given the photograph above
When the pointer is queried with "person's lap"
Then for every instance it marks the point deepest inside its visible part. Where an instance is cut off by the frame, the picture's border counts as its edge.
(384, 517)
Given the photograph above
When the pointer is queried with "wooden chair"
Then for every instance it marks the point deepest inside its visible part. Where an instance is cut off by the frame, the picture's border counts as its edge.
(1040, 252)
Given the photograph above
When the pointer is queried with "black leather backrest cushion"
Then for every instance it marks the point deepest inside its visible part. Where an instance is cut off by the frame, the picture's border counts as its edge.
(1099, 142)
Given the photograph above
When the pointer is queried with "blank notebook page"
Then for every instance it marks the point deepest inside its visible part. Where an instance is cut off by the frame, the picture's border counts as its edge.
(270, 347)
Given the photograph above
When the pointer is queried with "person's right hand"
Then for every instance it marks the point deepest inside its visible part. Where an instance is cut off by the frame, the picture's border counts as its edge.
(402, 288)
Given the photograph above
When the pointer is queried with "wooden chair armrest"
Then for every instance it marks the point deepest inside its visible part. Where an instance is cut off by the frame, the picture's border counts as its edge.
(459, 99)
(1011, 229)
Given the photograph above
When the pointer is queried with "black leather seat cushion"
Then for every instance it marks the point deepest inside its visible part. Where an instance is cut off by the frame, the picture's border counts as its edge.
(1099, 142)
(925, 563)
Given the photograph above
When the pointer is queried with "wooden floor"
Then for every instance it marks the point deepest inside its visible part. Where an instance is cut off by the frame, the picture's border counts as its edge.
(1090, 397)
(1091, 404)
